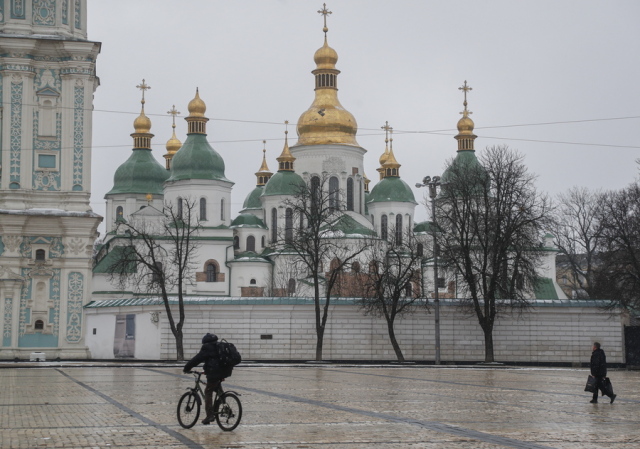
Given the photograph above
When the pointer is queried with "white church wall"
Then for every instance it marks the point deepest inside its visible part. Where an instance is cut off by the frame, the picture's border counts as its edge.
(99, 336)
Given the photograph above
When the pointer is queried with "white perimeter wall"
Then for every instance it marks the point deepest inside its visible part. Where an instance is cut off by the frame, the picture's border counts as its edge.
(545, 334)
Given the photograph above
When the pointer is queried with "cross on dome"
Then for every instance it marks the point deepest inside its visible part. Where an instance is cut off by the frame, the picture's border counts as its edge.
(143, 87)
(325, 12)
(465, 89)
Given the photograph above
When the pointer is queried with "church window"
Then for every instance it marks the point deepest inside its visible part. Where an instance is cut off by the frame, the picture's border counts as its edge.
(398, 229)
(251, 243)
(291, 287)
(315, 195)
(263, 241)
(383, 227)
(38, 325)
(40, 254)
(252, 282)
(420, 250)
(441, 283)
(203, 208)
(274, 225)
(212, 275)
(222, 209)
(350, 194)
(334, 187)
(179, 208)
(119, 212)
(408, 290)
(355, 267)
(236, 242)
(288, 225)
(156, 275)
(373, 267)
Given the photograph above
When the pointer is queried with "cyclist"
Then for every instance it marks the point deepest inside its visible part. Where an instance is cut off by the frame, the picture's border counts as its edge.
(215, 373)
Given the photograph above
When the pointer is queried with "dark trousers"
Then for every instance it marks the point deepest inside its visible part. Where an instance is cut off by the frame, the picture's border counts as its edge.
(599, 387)
(212, 385)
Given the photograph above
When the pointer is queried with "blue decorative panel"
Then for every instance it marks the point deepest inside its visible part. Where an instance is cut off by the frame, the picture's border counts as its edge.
(16, 130)
(74, 307)
(78, 134)
(8, 317)
(65, 12)
(17, 9)
(78, 14)
(39, 339)
(54, 295)
(25, 314)
(56, 248)
(44, 12)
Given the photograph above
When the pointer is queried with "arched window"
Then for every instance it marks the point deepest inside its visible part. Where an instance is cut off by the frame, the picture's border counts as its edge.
(398, 229)
(40, 254)
(335, 264)
(420, 250)
(251, 243)
(179, 207)
(274, 225)
(119, 212)
(236, 242)
(203, 208)
(383, 227)
(252, 282)
(38, 325)
(156, 276)
(373, 267)
(212, 273)
(334, 188)
(408, 290)
(291, 287)
(262, 240)
(355, 267)
(349, 193)
(222, 209)
(315, 195)
(47, 119)
(288, 225)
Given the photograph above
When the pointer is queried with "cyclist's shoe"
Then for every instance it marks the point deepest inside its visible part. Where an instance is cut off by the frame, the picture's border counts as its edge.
(208, 420)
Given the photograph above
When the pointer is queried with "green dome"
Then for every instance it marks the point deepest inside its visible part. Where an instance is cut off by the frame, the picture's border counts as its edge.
(391, 188)
(284, 183)
(197, 160)
(253, 199)
(247, 221)
(141, 173)
(466, 159)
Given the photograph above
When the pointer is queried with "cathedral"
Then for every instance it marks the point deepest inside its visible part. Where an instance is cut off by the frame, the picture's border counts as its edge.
(59, 293)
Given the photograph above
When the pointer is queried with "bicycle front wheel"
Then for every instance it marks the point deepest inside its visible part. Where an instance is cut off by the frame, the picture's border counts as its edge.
(228, 411)
(188, 409)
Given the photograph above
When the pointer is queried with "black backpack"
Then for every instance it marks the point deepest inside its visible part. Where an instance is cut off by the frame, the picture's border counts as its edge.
(228, 355)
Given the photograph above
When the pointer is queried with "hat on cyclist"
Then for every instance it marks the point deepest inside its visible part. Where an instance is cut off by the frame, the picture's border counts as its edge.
(209, 338)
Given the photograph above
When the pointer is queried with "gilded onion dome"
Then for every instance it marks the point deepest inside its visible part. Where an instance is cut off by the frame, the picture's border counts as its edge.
(196, 107)
(173, 144)
(465, 135)
(326, 121)
(391, 167)
(263, 174)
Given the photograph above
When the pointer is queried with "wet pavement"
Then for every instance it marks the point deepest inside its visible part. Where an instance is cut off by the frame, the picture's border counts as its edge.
(319, 406)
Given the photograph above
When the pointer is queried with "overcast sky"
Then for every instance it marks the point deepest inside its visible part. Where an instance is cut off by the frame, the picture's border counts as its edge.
(556, 80)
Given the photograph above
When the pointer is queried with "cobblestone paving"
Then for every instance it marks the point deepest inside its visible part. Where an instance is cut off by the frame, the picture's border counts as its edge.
(320, 406)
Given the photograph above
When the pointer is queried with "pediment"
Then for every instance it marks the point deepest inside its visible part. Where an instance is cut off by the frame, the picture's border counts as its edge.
(47, 91)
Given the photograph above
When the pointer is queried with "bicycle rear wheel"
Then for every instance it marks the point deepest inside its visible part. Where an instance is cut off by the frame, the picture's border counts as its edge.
(228, 411)
(188, 409)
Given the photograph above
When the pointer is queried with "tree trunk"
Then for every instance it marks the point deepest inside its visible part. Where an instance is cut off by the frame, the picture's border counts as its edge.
(394, 342)
(488, 345)
(320, 334)
(179, 346)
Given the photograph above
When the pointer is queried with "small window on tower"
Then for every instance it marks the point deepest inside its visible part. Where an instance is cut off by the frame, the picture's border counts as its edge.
(40, 254)
(38, 325)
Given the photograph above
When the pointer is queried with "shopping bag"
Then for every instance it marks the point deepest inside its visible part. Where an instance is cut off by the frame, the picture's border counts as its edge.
(608, 388)
(591, 384)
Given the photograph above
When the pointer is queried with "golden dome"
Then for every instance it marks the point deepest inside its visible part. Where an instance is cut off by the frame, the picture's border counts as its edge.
(196, 107)
(286, 159)
(173, 144)
(142, 124)
(325, 57)
(465, 125)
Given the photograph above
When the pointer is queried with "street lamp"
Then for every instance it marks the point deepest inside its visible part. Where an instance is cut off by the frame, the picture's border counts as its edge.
(433, 184)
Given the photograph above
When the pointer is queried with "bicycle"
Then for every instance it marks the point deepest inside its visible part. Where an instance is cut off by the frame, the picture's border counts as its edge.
(227, 408)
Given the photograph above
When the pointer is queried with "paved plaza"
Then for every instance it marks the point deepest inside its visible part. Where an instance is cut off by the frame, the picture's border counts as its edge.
(319, 406)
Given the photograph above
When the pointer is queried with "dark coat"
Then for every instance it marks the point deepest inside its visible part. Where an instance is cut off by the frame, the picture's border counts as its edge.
(598, 363)
(209, 356)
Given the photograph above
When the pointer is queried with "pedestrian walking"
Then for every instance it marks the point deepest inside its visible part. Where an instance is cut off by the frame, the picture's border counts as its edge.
(599, 371)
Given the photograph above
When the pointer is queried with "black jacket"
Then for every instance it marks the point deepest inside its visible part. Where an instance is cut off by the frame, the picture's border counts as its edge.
(208, 355)
(598, 363)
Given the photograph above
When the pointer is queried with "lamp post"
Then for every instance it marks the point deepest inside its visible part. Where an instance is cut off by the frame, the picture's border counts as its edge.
(433, 184)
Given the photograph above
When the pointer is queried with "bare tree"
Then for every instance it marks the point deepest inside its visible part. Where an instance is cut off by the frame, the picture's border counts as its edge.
(157, 257)
(392, 285)
(492, 218)
(618, 275)
(578, 234)
(316, 236)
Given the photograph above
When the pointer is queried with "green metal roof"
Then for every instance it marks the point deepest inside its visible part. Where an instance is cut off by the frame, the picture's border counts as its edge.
(349, 227)
(284, 183)
(247, 221)
(105, 265)
(391, 188)
(253, 199)
(545, 289)
(424, 227)
(141, 173)
(466, 159)
(197, 160)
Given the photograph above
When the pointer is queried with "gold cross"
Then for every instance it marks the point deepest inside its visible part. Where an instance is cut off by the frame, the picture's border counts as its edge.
(286, 127)
(143, 87)
(173, 111)
(325, 12)
(386, 128)
(465, 89)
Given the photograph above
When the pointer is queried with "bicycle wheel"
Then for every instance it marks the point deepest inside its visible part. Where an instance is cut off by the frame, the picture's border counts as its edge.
(228, 411)
(188, 409)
